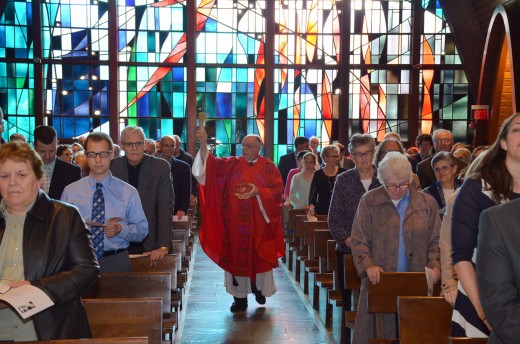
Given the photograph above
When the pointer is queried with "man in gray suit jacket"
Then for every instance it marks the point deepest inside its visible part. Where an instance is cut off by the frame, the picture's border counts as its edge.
(498, 271)
(152, 178)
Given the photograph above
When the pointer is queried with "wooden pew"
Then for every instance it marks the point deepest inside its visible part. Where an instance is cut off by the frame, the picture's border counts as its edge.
(138, 285)
(334, 294)
(302, 251)
(177, 248)
(109, 318)
(465, 340)
(310, 261)
(424, 320)
(382, 297)
(120, 340)
(323, 278)
(296, 248)
(183, 234)
(289, 239)
(352, 284)
(170, 263)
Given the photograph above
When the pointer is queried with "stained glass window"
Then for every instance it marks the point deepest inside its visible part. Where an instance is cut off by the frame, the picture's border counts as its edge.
(312, 87)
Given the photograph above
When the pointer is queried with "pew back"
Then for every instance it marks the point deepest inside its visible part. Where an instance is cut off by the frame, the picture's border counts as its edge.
(111, 318)
(169, 264)
(382, 297)
(133, 285)
(423, 320)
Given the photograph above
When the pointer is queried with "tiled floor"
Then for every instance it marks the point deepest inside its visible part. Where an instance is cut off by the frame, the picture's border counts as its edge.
(286, 317)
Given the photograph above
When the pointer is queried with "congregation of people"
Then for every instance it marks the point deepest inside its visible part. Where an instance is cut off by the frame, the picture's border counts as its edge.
(85, 207)
(433, 205)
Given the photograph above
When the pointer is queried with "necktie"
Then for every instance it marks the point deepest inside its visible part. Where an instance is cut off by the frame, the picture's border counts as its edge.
(98, 215)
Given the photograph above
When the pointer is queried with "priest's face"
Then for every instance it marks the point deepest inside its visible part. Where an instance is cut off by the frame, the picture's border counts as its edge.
(250, 148)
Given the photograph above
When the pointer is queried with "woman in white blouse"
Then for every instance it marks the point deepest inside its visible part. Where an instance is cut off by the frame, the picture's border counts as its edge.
(301, 183)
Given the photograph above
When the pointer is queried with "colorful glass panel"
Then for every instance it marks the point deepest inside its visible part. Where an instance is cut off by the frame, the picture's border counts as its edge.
(230, 41)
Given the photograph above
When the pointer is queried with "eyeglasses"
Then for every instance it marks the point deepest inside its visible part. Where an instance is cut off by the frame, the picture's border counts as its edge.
(133, 144)
(443, 168)
(394, 187)
(249, 146)
(443, 140)
(363, 154)
(93, 155)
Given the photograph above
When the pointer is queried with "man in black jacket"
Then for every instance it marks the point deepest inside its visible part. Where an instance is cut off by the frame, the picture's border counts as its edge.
(288, 161)
(57, 173)
(181, 175)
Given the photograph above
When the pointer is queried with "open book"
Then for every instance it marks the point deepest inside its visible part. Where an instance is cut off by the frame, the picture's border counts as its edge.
(27, 300)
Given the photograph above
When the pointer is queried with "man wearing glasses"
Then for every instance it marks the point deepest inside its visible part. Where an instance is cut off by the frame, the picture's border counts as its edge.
(442, 142)
(241, 208)
(152, 178)
(110, 207)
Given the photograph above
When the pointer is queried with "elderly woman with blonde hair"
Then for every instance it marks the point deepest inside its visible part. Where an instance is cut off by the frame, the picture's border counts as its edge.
(396, 229)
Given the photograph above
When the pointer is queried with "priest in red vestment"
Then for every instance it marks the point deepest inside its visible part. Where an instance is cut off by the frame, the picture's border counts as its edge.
(241, 204)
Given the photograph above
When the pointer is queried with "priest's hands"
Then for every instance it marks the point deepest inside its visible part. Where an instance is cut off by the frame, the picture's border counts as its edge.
(202, 136)
(248, 194)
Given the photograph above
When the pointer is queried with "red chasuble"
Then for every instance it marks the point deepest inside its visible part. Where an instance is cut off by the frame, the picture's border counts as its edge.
(234, 232)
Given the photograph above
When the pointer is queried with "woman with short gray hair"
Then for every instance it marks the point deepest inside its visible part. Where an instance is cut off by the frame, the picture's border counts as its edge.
(444, 166)
(350, 187)
(396, 229)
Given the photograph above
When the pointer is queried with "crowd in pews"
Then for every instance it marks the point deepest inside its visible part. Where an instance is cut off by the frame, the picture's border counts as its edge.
(364, 227)
(391, 216)
(104, 242)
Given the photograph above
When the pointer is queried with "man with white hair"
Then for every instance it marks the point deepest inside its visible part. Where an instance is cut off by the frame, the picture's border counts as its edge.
(152, 179)
(241, 204)
(314, 143)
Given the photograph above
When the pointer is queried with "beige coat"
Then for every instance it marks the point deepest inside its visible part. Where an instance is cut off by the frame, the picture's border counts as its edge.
(375, 241)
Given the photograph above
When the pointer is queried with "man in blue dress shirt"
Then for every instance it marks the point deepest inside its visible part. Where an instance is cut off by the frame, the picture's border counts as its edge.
(123, 219)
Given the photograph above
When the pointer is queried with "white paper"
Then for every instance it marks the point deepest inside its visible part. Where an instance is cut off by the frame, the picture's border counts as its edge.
(430, 277)
(184, 218)
(311, 218)
(137, 255)
(27, 300)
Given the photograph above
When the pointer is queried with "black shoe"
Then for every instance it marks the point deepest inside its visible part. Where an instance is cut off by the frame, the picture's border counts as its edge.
(260, 299)
(239, 305)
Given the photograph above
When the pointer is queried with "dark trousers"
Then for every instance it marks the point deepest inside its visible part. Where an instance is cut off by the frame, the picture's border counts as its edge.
(119, 262)
(346, 296)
